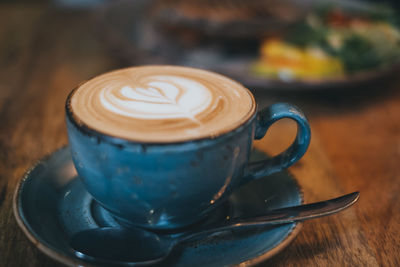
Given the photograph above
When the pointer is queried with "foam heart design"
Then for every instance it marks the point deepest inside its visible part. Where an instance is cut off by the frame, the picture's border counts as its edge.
(165, 97)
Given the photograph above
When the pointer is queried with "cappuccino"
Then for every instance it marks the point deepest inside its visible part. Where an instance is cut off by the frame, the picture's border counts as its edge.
(162, 168)
(161, 104)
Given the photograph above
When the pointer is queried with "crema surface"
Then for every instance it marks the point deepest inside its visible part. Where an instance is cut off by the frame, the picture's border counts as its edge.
(162, 104)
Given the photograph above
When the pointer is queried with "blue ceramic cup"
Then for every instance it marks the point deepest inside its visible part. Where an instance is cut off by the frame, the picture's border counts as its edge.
(172, 185)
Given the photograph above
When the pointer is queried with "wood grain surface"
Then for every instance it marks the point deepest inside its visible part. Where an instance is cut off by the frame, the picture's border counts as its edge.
(355, 143)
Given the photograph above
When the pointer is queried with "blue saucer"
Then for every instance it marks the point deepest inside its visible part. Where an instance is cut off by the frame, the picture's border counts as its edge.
(51, 204)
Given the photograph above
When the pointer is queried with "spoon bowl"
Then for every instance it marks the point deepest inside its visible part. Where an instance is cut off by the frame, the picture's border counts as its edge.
(122, 245)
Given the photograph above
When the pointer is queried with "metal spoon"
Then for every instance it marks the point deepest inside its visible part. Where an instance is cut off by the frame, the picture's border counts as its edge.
(138, 246)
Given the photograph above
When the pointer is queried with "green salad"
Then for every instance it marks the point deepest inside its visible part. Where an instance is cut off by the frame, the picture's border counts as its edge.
(331, 42)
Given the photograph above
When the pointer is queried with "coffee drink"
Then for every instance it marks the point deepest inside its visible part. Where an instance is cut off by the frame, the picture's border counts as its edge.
(160, 147)
(162, 104)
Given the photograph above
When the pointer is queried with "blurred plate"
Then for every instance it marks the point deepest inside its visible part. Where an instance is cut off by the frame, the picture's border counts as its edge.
(233, 19)
(136, 39)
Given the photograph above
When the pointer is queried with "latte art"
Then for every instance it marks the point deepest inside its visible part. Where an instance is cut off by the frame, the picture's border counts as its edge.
(161, 104)
(165, 97)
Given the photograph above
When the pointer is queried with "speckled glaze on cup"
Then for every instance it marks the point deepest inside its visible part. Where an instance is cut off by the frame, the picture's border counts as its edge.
(172, 185)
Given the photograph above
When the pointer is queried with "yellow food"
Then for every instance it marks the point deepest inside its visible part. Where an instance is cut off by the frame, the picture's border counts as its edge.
(288, 62)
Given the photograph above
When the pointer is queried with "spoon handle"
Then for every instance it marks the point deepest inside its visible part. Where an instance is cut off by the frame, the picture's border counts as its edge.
(303, 212)
(283, 216)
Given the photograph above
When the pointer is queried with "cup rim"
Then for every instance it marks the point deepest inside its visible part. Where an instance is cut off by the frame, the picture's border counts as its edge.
(120, 141)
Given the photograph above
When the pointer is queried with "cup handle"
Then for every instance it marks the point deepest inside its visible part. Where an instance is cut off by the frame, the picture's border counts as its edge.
(265, 118)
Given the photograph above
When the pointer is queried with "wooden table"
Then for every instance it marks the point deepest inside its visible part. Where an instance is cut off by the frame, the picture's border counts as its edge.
(355, 141)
